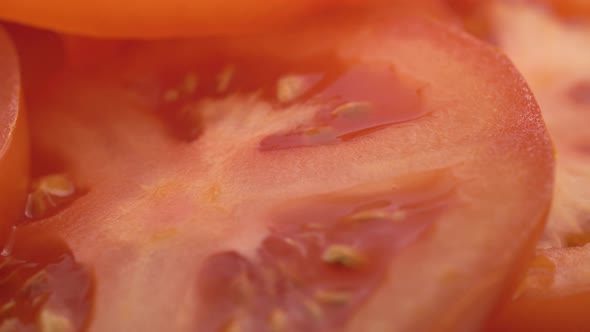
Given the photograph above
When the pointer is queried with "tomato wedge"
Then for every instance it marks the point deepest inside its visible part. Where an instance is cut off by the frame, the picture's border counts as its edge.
(14, 154)
(344, 176)
(556, 289)
(159, 18)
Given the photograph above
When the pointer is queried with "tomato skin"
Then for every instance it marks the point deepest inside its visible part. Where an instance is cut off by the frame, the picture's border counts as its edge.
(14, 148)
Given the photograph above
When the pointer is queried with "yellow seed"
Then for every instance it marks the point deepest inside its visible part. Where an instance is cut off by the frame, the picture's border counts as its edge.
(224, 78)
(189, 85)
(59, 185)
(52, 322)
(352, 110)
(278, 320)
(333, 297)
(290, 87)
(342, 255)
(314, 309)
(171, 95)
(48, 192)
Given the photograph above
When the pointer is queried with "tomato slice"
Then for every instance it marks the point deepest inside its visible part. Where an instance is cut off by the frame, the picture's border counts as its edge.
(14, 154)
(346, 175)
(556, 288)
(158, 18)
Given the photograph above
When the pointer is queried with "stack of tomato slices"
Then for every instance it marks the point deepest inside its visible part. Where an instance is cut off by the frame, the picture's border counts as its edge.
(294, 166)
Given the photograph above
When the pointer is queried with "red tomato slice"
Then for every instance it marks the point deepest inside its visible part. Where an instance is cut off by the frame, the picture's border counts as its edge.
(14, 154)
(341, 177)
(556, 289)
(159, 18)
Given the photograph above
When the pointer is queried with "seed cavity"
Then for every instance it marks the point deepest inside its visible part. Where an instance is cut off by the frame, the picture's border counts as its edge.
(309, 280)
(43, 288)
(343, 255)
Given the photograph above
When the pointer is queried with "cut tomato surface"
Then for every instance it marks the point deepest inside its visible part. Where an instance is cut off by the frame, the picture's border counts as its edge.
(14, 156)
(557, 287)
(346, 176)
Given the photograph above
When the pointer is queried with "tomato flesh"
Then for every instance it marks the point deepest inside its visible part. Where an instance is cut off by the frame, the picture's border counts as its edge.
(221, 205)
(323, 259)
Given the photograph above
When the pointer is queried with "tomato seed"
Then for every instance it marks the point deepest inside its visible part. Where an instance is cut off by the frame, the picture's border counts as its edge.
(225, 77)
(290, 87)
(49, 194)
(352, 111)
(342, 255)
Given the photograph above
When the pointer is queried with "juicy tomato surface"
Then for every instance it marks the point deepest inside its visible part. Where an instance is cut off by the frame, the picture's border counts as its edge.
(14, 157)
(343, 176)
(556, 289)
